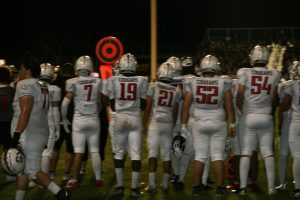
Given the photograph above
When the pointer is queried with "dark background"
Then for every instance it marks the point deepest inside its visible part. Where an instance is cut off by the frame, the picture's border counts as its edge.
(68, 29)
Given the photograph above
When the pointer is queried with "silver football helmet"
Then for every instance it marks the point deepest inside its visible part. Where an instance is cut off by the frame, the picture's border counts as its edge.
(178, 145)
(47, 71)
(209, 64)
(13, 161)
(294, 70)
(84, 63)
(127, 63)
(259, 54)
(176, 63)
(165, 72)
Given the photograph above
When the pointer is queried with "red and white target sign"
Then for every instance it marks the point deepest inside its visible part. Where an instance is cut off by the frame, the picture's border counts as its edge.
(109, 50)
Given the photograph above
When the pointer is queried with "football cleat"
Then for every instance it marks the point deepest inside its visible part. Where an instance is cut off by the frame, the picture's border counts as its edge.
(281, 187)
(99, 182)
(72, 184)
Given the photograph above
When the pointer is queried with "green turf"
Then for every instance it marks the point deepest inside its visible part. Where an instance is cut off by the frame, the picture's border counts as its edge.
(88, 190)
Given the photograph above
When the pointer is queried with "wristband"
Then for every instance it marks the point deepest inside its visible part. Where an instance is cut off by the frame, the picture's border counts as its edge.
(232, 125)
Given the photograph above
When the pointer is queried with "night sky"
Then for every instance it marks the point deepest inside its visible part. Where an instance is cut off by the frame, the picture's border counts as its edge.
(72, 29)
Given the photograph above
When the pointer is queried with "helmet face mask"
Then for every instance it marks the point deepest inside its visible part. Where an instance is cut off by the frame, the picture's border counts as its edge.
(176, 64)
(13, 161)
(259, 55)
(165, 72)
(209, 64)
(116, 68)
(127, 64)
(47, 71)
(84, 63)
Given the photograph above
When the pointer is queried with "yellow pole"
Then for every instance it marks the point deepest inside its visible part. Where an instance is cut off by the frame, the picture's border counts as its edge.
(153, 39)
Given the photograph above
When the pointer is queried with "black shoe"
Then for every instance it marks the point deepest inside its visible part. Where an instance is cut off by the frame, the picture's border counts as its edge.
(179, 185)
(135, 193)
(63, 194)
(196, 190)
(221, 191)
(119, 191)
(242, 191)
(174, 179)
(210, 182)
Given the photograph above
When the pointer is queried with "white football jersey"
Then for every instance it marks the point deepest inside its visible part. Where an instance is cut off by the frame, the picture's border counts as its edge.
(293, 89)
(55, 95)
(208, 96)
(126, 91)
(37, 89)
(259, 85)
(164, 97)
(38, 121)
(86, 92)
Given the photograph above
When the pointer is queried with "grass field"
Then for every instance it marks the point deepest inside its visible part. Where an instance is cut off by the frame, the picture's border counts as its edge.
(88, 190)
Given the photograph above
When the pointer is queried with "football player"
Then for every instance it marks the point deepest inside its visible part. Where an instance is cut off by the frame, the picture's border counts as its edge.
(86, 91)
(30, 128)
(212, 100)
(47, 74)
(290, 101)
(127, 95)
(256, 98)
(162, 103)
(67, 72)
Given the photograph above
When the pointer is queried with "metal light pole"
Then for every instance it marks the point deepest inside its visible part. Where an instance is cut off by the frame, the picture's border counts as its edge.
(153, 39)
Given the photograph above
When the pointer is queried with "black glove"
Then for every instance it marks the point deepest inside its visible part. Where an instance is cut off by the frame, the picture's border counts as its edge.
(15, 139)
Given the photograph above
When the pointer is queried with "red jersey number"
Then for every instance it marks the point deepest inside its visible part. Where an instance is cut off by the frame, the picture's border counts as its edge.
(207, 94)
(259, 84)
(128, 91)
(165, 98)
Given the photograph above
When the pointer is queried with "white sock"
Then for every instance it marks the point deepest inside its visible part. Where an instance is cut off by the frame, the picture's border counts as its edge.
(184, 164)
(244, 170)
(96, 162)
(296, 172)
(20, 194)
(119, 176)
(282, 168)
(270, 170)
(45, 164)
(206, 172)
(152, 179)
(135, 179)
(53, 188)
(165, 181)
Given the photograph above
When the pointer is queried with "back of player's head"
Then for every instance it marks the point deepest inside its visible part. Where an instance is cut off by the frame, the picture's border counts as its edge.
(84, 63)
(165, 72)
(209, 64)
(294, 71)
(33, 65)
(128, 64)
(5, 75)
(259, 55)
(47, 71)
(176, 64)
